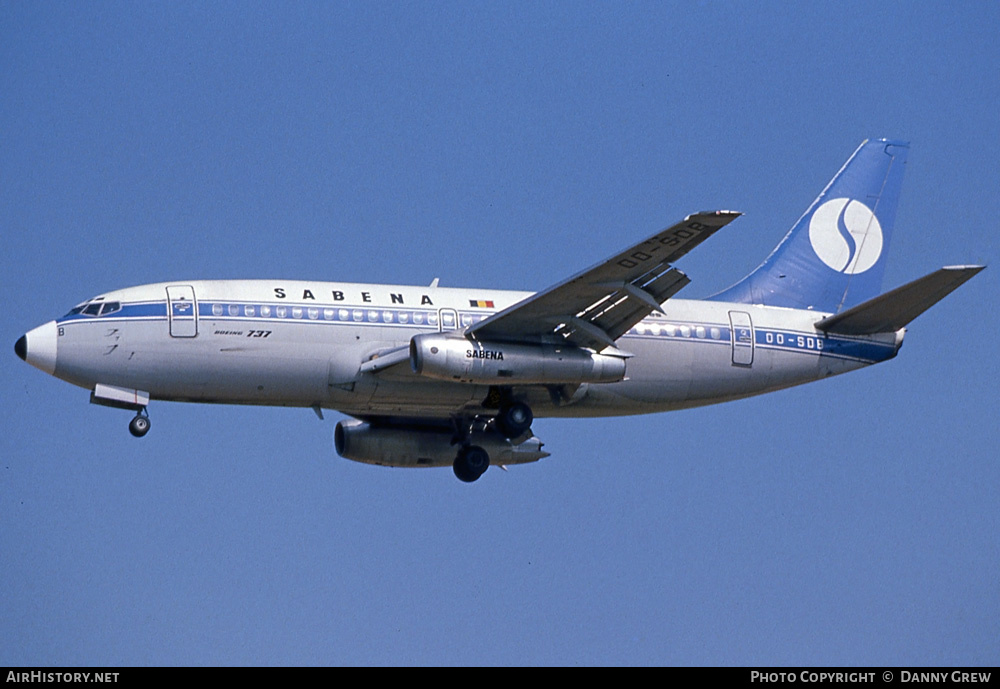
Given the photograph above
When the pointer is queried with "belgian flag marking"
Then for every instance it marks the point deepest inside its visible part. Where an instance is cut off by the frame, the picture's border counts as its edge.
(479, 303)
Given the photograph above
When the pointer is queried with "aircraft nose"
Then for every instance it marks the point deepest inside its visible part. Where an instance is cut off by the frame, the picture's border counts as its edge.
(38, 347)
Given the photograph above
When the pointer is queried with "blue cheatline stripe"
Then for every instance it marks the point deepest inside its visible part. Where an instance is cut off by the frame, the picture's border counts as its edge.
(709, 333)
(812, 343)
(768, 338)
(258, 312)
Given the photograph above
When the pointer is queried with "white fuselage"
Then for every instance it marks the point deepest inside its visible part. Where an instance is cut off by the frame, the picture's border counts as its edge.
(296, 343)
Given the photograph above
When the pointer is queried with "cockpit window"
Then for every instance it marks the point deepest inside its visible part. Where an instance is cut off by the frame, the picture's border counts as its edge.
(95, 308)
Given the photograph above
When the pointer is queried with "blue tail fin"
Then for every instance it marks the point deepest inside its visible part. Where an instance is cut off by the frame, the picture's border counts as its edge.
(834, 256)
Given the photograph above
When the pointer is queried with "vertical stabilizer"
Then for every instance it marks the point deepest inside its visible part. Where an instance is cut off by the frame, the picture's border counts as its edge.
(834, 256)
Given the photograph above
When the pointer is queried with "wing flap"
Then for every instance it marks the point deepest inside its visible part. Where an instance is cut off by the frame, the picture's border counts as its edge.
(628, 303)
(895, 309)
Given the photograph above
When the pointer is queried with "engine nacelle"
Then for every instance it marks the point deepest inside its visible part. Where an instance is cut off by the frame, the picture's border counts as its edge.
(494, 363)
(424, 447)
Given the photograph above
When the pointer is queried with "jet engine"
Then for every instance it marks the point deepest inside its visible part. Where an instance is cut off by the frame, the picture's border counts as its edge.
(399, 446)
(494, 363)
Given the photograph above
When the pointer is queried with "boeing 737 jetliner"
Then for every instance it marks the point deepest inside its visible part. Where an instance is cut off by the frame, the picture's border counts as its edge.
(435, 376)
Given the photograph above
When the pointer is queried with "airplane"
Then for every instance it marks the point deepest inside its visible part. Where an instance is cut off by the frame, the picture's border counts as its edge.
(435, 376)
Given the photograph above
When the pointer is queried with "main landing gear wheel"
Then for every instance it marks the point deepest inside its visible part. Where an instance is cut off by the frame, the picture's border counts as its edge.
(139, 426)
(471, 463)
(515, 419)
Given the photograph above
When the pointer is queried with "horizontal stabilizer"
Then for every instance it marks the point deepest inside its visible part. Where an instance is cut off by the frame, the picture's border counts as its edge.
(894, 310)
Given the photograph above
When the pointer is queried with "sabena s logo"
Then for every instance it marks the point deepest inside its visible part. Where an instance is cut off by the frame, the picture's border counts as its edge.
(846, 235)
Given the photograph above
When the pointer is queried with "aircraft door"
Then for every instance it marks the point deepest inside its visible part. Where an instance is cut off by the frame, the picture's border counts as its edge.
(742, 338)
(182, 311)
(447, 320)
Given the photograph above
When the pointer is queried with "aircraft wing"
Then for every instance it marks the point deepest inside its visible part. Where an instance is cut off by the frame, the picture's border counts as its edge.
(596, 307)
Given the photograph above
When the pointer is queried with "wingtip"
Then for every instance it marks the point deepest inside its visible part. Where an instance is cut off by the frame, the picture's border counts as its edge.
(970, 268)
(889, 142)
(721, 212)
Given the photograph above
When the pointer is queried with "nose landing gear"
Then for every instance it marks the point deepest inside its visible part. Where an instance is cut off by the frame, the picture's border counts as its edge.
(139, 426)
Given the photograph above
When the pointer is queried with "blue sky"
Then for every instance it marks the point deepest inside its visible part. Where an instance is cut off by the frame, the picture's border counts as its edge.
(853, 521)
